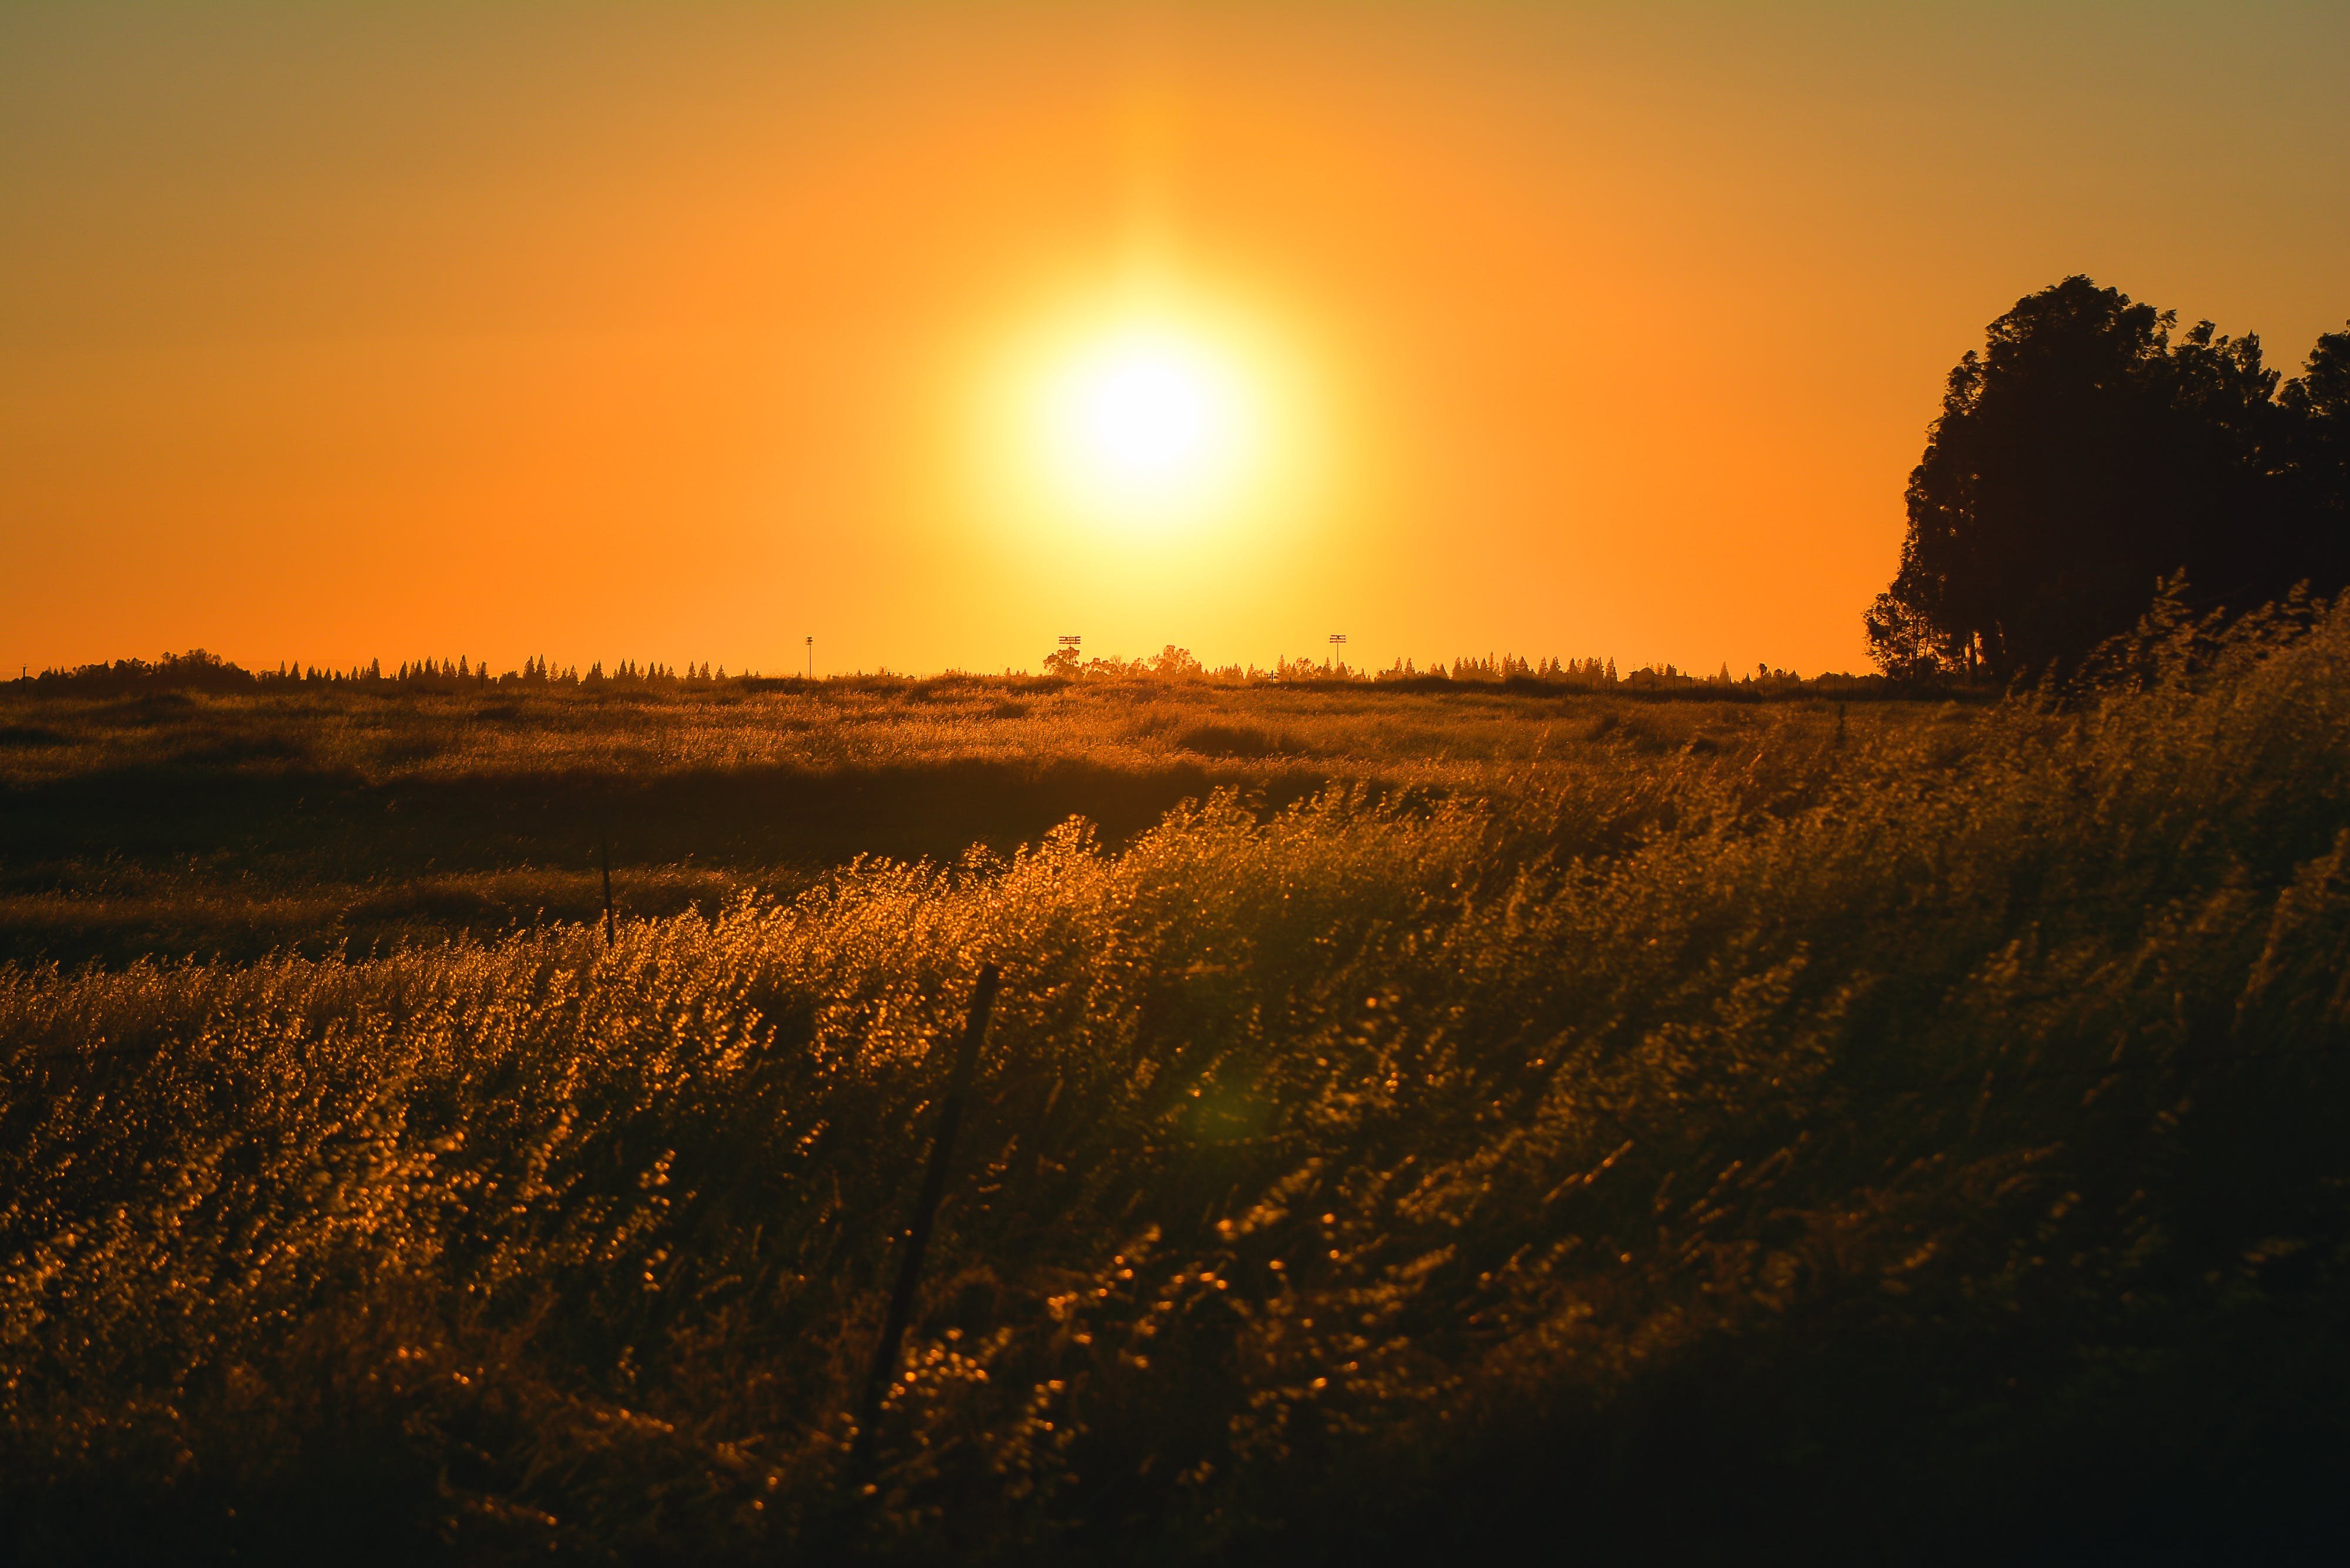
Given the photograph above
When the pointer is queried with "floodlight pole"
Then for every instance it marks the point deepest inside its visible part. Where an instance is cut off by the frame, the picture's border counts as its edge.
(811, 657)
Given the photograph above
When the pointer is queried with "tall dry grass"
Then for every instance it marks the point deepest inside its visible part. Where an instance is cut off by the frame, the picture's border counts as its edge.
(360, 819)
(1899, 1147)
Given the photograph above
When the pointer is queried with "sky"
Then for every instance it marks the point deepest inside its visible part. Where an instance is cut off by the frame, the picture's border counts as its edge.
(689, 332)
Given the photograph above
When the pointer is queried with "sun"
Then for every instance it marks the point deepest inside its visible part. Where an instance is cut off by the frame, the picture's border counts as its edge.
(1144, 413)
(1147, 423)
(1142, 426)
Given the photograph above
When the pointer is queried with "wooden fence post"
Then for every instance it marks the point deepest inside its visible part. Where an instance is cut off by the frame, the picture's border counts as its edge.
(926, 1208)
(604, 849)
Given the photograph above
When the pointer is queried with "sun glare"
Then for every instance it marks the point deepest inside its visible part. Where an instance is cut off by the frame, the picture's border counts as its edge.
(1153, 425)
(1146, 425)
(1144, 413)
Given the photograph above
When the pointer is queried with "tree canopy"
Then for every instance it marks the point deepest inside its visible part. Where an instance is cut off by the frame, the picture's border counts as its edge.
(2085, 457)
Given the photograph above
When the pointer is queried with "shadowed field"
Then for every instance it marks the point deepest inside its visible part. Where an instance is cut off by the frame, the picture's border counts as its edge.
(1686, 1131)
(184, 824)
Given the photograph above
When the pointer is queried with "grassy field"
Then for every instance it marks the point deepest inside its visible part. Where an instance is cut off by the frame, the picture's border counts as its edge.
(178, 823)
(1413, 1122)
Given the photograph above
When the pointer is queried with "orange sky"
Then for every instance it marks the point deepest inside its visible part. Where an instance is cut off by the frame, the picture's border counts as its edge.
(329, 333)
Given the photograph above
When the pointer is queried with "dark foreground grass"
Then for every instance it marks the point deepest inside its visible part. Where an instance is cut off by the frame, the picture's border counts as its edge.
(1873, 1153)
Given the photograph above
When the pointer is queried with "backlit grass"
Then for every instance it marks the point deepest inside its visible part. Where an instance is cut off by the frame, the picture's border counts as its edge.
(1880, 1146)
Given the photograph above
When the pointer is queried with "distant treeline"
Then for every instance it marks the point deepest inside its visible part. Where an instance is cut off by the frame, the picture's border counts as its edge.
(1507, 669)
(197, 670)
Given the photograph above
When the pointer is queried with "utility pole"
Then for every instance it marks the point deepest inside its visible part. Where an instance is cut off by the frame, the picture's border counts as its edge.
(1337, 642)
(811, 657)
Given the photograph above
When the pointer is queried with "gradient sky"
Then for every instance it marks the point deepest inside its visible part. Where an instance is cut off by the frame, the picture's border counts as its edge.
(331, 332)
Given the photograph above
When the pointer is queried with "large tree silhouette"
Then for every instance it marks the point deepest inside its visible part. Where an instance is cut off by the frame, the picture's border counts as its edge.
(2317, 467)
(2083, 457)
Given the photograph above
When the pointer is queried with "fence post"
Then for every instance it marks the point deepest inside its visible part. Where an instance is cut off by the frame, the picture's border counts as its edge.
(604, 849)
(926, 1208)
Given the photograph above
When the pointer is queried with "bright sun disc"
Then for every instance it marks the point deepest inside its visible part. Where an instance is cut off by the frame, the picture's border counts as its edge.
(1148, 415)
(1145, 424)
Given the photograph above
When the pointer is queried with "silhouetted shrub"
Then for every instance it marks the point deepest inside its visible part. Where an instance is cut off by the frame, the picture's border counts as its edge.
(1229, 740)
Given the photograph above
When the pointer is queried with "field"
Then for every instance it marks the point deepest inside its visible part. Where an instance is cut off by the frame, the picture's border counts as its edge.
(1413, 1122)
(184, 824)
